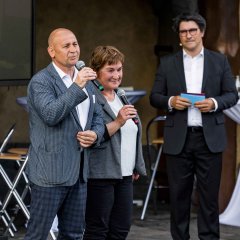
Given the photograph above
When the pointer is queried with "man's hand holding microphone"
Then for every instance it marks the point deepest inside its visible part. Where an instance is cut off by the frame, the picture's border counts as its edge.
(85, 74)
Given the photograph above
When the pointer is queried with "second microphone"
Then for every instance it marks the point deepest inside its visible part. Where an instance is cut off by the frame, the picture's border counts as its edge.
(121, 94)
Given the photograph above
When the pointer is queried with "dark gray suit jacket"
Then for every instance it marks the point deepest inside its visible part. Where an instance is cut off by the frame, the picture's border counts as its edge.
(218, 83)
(105, 160)
(54, 157)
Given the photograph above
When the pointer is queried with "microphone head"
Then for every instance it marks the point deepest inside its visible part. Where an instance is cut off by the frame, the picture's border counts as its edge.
(120, 92)
(79, 65)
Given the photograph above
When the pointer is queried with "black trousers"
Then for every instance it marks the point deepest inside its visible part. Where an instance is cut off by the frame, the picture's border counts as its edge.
(109, 208)
(194, 160)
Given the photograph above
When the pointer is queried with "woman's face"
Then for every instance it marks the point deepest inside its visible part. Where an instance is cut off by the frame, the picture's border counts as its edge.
(110, 76)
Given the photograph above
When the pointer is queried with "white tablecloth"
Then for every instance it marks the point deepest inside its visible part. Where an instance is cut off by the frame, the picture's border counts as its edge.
(234, 112)
(231, 215)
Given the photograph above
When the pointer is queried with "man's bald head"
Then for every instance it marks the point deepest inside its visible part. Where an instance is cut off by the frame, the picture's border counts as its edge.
(56, 33)
(63, 48)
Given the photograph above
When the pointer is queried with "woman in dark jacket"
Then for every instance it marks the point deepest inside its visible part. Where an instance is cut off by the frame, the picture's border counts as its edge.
(118, 160)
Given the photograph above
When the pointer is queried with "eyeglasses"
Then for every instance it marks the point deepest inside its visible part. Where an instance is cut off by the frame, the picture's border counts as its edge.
(191, 31)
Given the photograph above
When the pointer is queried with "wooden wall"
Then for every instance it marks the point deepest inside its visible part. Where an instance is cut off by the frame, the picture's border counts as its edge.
(223, 35)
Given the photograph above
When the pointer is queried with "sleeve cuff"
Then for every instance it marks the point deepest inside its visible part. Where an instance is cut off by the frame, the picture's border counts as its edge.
(170, 108)
(216, 105)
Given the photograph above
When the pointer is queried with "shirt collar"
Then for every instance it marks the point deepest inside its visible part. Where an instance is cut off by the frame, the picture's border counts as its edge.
(187, 55)
(63, 74)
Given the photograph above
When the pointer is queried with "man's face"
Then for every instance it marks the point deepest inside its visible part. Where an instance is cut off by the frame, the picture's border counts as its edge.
(190, 36)
(64, 49)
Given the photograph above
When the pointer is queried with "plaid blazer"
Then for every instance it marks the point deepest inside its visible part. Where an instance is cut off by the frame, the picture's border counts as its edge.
(54, 155)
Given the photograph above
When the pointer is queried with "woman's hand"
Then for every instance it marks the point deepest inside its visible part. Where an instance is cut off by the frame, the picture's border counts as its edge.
(125, 113)
(135, 176)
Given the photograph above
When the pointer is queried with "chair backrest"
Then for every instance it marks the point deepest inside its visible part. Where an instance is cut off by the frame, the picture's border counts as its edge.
(6, 139)
(149, 125)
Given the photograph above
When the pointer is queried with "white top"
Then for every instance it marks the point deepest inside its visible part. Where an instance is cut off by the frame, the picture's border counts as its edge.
(193, 70)
(83, 107)
(128, 140)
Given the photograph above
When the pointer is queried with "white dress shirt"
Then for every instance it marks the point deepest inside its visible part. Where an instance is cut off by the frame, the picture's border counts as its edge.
(193, 70)
(83, 107)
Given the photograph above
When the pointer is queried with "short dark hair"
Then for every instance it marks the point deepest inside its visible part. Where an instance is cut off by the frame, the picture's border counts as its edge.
(197, 18)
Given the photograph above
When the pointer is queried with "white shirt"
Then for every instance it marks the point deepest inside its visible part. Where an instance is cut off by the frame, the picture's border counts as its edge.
(82, 108)
(128, 140)
(193, 70)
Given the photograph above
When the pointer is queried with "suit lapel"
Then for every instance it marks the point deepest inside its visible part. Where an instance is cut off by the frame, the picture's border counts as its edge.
(105, 106)
(205, 69)
(75, 116)
(59, 84)
(180, 70)
(61, 88)
(103, 102)
(108, 110)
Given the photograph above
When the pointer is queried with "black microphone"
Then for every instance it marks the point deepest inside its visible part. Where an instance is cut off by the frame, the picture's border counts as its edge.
(122, 96)
(80, 65)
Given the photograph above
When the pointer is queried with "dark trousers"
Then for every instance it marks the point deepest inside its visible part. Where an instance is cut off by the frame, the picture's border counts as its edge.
(68, 203)
(194, 160)
(109, 209)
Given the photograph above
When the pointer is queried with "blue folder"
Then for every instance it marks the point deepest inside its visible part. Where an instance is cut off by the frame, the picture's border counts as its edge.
(193, 97)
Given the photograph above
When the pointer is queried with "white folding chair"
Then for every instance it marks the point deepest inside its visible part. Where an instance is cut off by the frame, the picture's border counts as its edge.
(4, 214)
(8, 221)
(13, 184)
(153, 166)
(6, 139)
(20, 156)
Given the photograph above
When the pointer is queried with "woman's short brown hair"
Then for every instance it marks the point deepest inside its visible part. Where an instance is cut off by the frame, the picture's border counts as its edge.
(102, 55)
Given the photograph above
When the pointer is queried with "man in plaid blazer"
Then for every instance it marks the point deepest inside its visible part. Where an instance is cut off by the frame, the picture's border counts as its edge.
(61, 103)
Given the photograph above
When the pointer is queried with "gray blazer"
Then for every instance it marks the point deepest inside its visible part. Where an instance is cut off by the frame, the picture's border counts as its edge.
(105, 160)
(218, 83)
(54, 157)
